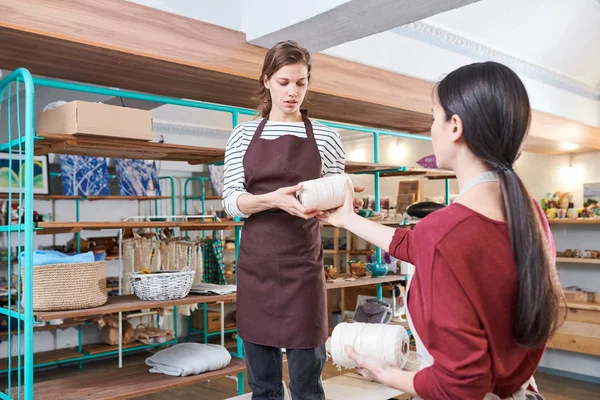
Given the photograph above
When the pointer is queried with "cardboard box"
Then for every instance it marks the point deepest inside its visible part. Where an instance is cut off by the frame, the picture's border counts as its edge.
(97, 119)
(409, 186)
(403, 201)
(213, 320)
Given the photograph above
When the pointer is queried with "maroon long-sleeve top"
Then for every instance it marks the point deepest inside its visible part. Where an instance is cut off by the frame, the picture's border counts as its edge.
(462, 303)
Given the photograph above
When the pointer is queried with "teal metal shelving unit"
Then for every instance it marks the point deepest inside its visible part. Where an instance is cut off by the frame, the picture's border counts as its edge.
(20, 142)
(190, 195)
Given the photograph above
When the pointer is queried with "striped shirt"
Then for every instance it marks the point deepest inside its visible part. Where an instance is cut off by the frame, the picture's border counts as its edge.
(328, 141)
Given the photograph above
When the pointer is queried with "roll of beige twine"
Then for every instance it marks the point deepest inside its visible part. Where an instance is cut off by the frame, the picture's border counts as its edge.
(324, 193)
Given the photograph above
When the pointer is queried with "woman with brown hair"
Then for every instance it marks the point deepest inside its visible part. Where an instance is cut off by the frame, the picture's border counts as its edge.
(281, 297)
(484, 298)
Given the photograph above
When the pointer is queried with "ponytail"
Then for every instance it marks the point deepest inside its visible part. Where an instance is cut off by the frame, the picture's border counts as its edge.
(538, 297)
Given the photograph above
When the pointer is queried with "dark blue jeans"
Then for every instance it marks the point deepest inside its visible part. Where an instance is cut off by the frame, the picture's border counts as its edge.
(264, 369)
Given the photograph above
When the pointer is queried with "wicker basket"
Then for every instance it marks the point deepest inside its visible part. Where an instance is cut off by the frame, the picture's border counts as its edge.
(61, 287)
(162, 285)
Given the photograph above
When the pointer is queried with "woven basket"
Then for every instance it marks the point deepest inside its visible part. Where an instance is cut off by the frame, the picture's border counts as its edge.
(60, 287)
(162, 285)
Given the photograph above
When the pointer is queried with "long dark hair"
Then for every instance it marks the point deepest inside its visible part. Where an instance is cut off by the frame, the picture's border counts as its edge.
(283, 53)
(494, 108)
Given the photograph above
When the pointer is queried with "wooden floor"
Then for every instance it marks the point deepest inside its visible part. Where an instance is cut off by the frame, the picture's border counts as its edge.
(552, 387)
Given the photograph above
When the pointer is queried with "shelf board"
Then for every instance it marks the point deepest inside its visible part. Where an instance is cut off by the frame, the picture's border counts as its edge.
(424, 172)
(88, 198)
(573, 260)
(339, 283)
(584, 306)
(47, 327)
(355, 167)
(124, 148)
(130, 303)
(399, 224)
(100, 348)
(125, 383)
(72, 227)
(44, 357)
(386, 170)
(581, 221)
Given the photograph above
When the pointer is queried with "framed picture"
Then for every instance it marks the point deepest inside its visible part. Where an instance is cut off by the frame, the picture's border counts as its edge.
(591, 191)
(11, 173)
(84, 176)
(137, 177)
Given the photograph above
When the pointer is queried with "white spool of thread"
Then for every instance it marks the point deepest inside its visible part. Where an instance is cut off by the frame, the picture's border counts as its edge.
(387, 343)
(324, 193)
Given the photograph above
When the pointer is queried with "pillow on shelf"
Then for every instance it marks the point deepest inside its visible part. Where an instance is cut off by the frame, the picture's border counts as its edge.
(185, 359)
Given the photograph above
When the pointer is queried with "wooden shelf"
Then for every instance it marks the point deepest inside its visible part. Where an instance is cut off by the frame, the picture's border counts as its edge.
(424, 172)
(47, 327)
(44, 357)
(129, 303)
(355, 167)
(132, 303)
(124, 383)
(71, 227)
(582, 221)
(399, 224)
(386, 170)
(88, 198)
(573, 260)
(100, 348)
(584, 306)
(365, 281)
(125, 148)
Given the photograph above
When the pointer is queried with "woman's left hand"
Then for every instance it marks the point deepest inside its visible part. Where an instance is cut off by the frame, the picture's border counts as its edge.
(369, 367)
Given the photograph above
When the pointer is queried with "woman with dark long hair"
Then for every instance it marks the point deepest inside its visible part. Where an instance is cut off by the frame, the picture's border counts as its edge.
(484, 298)
(281, 297)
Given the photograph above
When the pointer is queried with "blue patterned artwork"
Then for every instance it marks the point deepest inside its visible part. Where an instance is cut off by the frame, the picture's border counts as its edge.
(137, 177)
(84, 176)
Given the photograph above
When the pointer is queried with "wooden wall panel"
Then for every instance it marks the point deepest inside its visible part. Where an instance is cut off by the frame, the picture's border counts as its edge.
(123, 44)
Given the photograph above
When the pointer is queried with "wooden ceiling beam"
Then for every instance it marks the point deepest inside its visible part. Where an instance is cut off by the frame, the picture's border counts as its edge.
(121, 44)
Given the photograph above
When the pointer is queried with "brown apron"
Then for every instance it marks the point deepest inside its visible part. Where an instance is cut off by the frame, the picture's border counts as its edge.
(281, 294)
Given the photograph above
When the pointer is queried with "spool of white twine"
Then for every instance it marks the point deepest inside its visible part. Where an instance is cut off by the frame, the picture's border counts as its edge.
(324, 193)
(387, 343)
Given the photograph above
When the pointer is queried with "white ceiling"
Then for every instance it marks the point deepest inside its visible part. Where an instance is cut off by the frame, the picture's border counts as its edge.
(554, 41)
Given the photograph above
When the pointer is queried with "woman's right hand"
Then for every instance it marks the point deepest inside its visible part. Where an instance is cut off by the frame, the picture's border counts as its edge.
(340, 216)
(285, 199)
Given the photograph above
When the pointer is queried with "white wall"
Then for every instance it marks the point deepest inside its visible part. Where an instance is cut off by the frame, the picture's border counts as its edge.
(412, 57)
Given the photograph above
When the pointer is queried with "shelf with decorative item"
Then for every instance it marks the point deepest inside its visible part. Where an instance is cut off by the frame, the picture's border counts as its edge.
(574, 260)
(124, 383)
(15, 197)
(578, 221)
(47, 143)
(124, 303)
(73, 227)
(386, 170)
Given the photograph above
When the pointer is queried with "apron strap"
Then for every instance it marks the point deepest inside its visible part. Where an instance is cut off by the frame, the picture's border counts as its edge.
(260, 128)
(308, 127)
